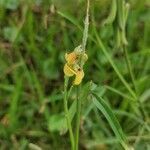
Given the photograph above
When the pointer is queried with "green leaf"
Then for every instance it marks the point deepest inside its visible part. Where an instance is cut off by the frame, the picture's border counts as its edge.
(58, 122)
(10, 33)
(10, 4)
(108, 113)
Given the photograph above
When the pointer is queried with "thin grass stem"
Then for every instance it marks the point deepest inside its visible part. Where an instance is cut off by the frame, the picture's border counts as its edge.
(129, 67)
(128, 63)
(84, 41)
(67, 112)
(78, 119)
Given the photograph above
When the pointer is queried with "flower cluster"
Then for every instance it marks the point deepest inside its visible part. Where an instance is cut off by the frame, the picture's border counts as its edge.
(74, 64)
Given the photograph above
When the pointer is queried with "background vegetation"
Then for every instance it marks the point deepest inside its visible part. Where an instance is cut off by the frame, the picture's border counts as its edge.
(34, 36)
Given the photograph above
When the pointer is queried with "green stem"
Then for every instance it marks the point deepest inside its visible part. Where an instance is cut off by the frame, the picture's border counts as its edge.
(78, 119)
(143, 113)
(101, 45)
(67, 112)
(84, 41)
(122, 18)
(86, 27)
(128, 63)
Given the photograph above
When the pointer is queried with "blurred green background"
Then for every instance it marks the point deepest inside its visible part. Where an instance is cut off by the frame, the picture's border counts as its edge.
(34, 36)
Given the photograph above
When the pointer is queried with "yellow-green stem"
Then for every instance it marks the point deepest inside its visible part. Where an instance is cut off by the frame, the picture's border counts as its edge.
(78, 117)
(67, 112)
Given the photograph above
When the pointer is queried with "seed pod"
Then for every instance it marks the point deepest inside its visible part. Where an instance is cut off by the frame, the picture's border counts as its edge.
(126, 11)
(125, 16)
(120, 13)
(112, 15)
(117, 35)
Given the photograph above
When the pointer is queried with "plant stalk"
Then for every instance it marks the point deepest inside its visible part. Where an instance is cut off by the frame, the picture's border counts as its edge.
(78, 118)
(128, 63)
(78, 110)
(86, 27)
(67, 112)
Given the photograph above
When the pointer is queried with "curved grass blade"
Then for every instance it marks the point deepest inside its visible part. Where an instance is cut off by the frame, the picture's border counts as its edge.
(71, 19)
(119, 92)
(108, 113)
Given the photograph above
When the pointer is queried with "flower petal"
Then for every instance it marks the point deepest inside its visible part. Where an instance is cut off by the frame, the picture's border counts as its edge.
(79, 77)
(68, 71)
(71, 58)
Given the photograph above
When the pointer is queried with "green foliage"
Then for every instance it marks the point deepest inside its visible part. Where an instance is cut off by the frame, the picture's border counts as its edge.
(104, 108)
(34, 36)
(58, 122)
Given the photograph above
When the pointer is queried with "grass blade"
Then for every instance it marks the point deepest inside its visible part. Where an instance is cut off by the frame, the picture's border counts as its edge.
(108, 113)
(71, 19)
(118, 92)
(99, 42)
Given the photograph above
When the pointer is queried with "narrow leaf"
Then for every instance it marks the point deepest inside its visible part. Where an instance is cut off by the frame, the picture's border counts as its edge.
(108, 113)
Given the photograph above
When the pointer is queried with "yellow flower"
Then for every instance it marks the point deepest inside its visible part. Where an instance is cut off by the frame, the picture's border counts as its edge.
(79, 77)
(74, 64)
(79, 74)
(71, 58)
(68, 71)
